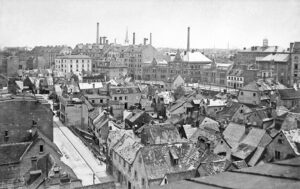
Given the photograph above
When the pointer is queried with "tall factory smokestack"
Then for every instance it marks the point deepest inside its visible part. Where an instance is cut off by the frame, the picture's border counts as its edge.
(133, 40)
(97, 40)
(188, 40)
(150, 38)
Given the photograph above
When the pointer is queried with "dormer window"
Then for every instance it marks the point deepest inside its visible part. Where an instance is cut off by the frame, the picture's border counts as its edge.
(174, 157)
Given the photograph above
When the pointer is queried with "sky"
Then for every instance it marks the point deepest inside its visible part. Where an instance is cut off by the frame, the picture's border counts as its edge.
(214, 23)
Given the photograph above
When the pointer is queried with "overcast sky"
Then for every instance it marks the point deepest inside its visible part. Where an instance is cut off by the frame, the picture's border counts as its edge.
(213, 23)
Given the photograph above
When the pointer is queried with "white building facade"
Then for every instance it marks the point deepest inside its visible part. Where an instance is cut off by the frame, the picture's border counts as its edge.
(73, 63)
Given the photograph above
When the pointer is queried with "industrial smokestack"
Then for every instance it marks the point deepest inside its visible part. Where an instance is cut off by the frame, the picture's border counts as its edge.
(188, 40)
(133, 38)
(97, 40)
(150, 38)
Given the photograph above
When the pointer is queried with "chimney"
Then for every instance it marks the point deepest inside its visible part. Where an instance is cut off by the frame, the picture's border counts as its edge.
(145, 41)
(150, 38)
(100, 40)
(291, 46)
(188, 40)
(133, 40)
(103, 40)
(106, 41)
(97, 39)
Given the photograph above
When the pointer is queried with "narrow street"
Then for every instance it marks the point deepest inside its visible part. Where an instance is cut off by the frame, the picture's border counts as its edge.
(77, 155)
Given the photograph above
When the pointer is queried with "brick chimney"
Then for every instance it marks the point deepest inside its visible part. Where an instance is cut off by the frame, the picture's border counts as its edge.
(97, 39)
(188, 39)
(145, 41)
(133, 40)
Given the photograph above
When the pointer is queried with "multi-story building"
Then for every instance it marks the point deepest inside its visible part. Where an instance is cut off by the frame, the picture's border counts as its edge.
(247, 56)
(111, 69)
(73, 63)
(295, 63)
(188, 64)
(129, 95)
(238, 77)
(274, 66)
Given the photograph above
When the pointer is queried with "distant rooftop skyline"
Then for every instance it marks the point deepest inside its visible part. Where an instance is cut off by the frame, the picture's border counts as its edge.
(213, 23)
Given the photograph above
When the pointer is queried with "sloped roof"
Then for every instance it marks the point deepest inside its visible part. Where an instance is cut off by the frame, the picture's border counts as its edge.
(92, 85)
(157, 159)
(189, 130)
(234, 133)
(210, 124)
(12, 153)
(127, 148)
(125, 90)
(293, 137)
(228, 111)
(276, 57)
(288, 94)
(210, 135)
(214, 164)
(79, 56)
(195, 56)
(291, 121)
(160, 134)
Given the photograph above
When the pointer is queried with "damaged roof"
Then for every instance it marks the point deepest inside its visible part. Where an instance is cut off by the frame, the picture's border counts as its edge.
(158, 159)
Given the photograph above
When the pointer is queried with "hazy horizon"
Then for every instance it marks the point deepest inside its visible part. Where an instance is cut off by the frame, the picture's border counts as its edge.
(218, 24)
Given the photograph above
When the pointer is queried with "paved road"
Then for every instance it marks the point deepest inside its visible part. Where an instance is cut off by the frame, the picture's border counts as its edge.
(77, 155)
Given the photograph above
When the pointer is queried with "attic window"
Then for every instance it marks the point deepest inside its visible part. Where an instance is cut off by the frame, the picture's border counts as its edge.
(254, 94)
(280, 141)
(118, 91)
(41, 148)
(174, 157)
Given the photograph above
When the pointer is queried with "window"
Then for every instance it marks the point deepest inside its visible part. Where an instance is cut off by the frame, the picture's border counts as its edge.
(41, 148)
(254, 94)
(124, 163)
(135, 175)
(241, 111)
(120, 98)
(125, 97)
(242, 93)
(76, 61)
(296, 66)
(280, 141)
(277, 154)
(143, 181)
(129, 169)
(116, 98)
(6, 136)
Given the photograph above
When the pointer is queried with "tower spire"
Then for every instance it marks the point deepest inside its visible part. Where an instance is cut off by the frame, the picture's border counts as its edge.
(126, 37)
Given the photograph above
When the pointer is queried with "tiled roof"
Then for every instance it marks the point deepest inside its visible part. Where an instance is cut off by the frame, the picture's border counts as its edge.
(127, 148)
(124, 90)
(282, 174)
(288, 94)
(291, 121)
(160, 134)
(12, 153)
(234, 133)
(210, 135)
(209, 124)
(293, 137)
(228, 111)
(214, 164)
(189, 130)
(158, 159)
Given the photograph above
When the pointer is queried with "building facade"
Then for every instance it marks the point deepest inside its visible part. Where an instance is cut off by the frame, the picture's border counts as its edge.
(73, 64)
